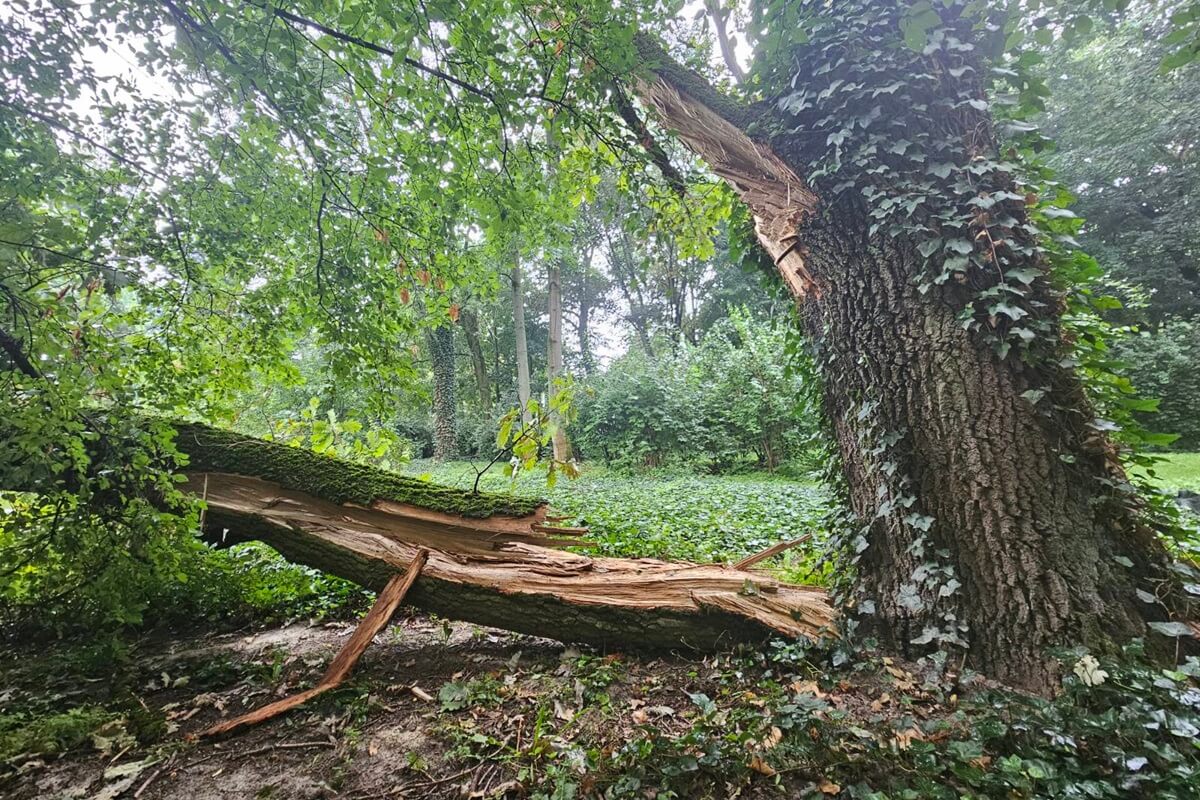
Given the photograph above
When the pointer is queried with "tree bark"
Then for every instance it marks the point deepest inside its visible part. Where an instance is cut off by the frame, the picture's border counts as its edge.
(981, 516)
(478, 365)
(492, 559)
(554, 360)
(522, 346)
(445, 424)
(585, 332)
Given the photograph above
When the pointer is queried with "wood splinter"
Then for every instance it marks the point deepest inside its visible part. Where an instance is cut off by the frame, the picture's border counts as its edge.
(774, 549)
(339, 669)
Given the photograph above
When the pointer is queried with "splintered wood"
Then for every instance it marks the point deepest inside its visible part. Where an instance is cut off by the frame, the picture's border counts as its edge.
(339, 669)
(773, 550)
(778, 198)
(513, 573)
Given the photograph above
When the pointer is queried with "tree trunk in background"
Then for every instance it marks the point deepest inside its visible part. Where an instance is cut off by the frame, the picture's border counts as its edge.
(445, 424)
(554, 361)
(979, 514)
(518, 302)
(585, 333)
(482, 382)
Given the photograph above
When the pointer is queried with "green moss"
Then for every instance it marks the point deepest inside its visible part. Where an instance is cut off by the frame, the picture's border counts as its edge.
(654, 57)
(50, 734)
(214, 450)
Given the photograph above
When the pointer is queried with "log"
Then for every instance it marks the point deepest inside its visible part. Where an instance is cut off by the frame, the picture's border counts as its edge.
(493, 559)
(339, 669)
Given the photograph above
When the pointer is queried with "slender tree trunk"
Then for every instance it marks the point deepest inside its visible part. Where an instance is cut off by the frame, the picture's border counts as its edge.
(478, 365)
(445, 424)
(585, 333)
(984, 516)
(554, 361)
(522, 346)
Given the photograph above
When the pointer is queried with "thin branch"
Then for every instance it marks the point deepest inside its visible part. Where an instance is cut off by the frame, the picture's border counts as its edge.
(382, 50)
(720, 18)
(629, 114)
(16, 354)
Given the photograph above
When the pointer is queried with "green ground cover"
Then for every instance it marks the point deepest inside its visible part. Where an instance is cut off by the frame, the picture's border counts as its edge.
(1178, 471)
(672, 515)
(705, 518)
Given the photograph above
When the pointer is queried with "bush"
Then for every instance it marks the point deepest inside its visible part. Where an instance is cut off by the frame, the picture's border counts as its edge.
(1163, 364)
(640, 412)
(706, 405)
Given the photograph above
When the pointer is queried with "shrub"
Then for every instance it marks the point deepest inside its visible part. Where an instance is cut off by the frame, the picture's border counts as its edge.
(1163, 364)
(706, 405)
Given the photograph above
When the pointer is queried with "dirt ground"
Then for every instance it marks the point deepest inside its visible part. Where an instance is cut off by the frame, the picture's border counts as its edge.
(434, 710)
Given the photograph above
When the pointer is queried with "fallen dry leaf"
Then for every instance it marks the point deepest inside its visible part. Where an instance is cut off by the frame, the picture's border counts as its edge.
(808, 687)
(828, 787)
(773, 737)
(762, 767)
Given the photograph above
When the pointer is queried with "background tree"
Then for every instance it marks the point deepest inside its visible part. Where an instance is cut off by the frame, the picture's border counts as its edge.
(445, 407)
(1127, 146)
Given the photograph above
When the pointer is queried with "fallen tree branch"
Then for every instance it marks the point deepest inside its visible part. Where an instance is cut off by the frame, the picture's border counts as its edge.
(339, 669)
(491, 561)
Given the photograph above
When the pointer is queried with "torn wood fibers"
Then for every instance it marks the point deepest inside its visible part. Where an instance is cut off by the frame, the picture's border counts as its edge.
(492, 559)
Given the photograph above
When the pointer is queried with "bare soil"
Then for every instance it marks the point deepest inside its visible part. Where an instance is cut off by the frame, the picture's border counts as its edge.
(384, 734)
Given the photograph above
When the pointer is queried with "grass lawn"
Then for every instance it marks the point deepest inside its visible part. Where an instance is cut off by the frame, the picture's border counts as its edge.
(1178, 471)
(703, 518)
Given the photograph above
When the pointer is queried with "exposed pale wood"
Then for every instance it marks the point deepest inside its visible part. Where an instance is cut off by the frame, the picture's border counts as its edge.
(778, 198)
(399, 520)
(496, 524)
(376, 620)
(339, 669)
(260, 715)
(513, 580)
(773, 550)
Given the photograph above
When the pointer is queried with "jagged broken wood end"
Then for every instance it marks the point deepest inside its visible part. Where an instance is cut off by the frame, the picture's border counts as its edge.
(493, 559)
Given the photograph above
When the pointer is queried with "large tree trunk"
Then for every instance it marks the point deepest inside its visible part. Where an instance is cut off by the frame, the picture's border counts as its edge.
(554, 360)
(1031, 537)
(982, 515)
(445, 424)
(478, 365)
(492, 560)
(522, 346)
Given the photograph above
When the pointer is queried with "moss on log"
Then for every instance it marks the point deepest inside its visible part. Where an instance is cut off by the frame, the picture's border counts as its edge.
(486, 564)
(213, 450)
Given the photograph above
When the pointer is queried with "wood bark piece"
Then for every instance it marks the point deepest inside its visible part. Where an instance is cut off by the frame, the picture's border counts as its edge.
(492, 560)
(339, 669)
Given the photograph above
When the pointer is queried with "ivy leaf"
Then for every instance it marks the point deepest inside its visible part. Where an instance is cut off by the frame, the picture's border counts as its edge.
(1172, 628)
(454, 696)
(1025, 275)
(909, 598)
(1010, 311)
(949, 587)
